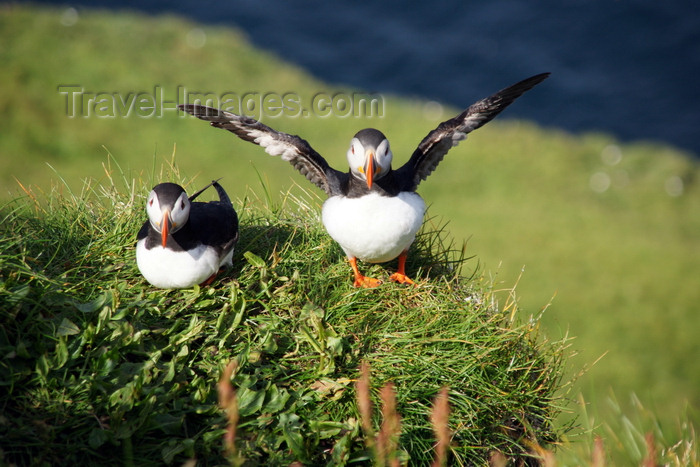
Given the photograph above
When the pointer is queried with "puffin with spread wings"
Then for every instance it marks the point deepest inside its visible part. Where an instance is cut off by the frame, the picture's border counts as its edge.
(373, 210)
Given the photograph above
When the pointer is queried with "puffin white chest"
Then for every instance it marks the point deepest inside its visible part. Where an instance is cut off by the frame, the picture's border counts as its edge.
(374, 228)
(169, 269)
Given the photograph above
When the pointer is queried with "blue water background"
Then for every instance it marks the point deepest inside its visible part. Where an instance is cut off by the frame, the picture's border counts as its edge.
(629, 68)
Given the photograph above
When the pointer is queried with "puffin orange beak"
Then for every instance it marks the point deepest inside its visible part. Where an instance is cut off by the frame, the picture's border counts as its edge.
(369, 172)
(165, 228)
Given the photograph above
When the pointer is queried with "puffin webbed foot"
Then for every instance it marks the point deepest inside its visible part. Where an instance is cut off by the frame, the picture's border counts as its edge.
(360, 280)
(366, 282)
(400, 275)
(401, 278)
(211, 278)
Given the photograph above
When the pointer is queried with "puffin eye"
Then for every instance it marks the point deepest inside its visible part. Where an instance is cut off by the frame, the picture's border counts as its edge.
(352, 148)
(150, 202)
(182, 204)
(384, 149)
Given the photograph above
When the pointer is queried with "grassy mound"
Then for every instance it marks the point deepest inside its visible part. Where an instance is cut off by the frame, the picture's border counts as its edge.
(611, 229)
(95, 358)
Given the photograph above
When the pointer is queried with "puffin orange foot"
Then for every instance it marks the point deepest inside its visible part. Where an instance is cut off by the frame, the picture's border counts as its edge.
(401, 278)
(210, 280)
(360, 280)
(366, 282)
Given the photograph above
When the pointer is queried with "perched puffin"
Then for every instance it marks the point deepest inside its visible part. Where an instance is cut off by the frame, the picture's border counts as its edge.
(184, 243)
(372, 211)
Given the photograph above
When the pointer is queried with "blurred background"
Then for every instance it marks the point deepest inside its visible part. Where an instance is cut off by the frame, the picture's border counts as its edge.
(584, 192)
(628, 68)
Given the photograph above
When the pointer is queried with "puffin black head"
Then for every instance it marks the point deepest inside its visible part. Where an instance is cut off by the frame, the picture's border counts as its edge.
(369, 155)
(168, 209)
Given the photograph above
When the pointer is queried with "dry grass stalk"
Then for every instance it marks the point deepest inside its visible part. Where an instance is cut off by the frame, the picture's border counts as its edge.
(650, 459)
(548, 459)
(229, 403)
(387, 440)
(545, 457)
(598, 457)
(364, 403)
(497, 459)
(386, 443)
(439, 418)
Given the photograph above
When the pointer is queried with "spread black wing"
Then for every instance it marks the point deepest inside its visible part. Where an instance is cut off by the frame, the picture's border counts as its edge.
(435, 145)
(290, 148)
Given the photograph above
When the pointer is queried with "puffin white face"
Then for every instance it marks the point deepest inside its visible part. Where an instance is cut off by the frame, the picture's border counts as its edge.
(369, 155)
(167, 216)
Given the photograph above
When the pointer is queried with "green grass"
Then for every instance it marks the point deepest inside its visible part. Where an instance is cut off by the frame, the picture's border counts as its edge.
(96, 360)
(621, 265)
